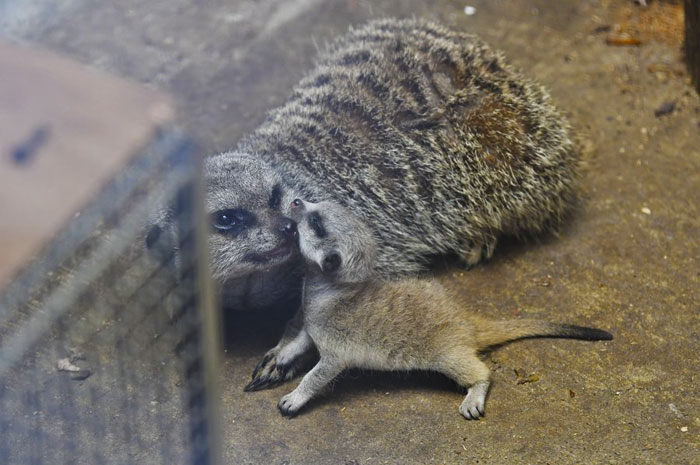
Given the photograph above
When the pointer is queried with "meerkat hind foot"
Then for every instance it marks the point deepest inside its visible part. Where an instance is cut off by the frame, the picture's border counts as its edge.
(311, 385)
(472, 407)
(290, 404)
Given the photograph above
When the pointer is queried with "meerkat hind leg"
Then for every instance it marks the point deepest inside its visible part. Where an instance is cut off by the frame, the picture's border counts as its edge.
(298, 346)
(313, 383)
(467, 370)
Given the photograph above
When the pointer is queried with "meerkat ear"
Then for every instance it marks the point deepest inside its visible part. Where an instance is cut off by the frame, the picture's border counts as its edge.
(330, 263)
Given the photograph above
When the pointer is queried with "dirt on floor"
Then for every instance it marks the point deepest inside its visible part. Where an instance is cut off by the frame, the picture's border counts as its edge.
(628, 261)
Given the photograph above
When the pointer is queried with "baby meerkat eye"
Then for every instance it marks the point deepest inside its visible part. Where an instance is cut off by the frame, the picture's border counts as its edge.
(331, 263)
(316, 224)
(275, 197)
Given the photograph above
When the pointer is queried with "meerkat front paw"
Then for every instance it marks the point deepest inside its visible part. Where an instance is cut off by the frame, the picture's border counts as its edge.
(472, 407)
(290, 404)
(283, 363)
(270, 371)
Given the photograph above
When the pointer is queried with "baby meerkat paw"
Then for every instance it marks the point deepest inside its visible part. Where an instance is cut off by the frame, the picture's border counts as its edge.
(472, 407)
(290, 404)
(270, 371)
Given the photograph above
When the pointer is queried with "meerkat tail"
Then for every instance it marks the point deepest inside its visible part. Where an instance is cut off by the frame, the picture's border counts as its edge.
(490, 333)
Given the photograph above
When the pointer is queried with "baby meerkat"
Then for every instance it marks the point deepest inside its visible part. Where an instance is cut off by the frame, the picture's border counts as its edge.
(356, 321)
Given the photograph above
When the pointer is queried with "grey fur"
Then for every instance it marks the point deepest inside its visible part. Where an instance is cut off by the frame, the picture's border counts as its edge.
(429, 137)
(357, 321)
(426, 134)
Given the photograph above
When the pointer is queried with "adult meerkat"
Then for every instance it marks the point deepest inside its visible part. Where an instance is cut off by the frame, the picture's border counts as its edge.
(425, 133)
(355, 320)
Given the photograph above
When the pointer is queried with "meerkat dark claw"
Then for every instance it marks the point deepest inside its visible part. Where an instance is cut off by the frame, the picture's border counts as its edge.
(286, 411)
(290, 404)
(264, 382)
(261, 364)
(283, 362)
(283, 368)
(269, 376)
(254, 385)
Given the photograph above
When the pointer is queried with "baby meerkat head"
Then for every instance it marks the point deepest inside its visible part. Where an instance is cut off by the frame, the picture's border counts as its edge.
(334, 240)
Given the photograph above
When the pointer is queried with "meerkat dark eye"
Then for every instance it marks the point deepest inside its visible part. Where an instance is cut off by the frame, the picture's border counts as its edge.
(232, 220)
(316, 224)
(331, 263)
(276, 197)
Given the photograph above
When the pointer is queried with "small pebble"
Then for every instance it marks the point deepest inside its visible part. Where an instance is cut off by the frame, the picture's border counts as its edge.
(674, 409)
(684, 429)
(65, 365)
(469, 10)
(646, 211)
(665, 109)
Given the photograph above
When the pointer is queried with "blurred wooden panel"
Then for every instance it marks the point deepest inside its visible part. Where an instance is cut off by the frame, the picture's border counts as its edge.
(64, 131)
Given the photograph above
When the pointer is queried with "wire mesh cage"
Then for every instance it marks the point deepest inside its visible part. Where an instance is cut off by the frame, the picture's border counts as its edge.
(105, 348)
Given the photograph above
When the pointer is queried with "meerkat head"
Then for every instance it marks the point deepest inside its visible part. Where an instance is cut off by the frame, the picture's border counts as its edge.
(334, 240)
(248, 229)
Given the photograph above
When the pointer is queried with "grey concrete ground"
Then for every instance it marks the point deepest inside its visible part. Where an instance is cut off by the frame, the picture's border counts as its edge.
(628, 261)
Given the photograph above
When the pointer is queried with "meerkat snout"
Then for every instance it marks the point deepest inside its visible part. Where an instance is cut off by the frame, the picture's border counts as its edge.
(331, 263)
(334, 241)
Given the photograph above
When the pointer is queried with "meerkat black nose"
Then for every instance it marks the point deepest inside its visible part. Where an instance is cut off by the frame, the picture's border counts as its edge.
(297, 204)
(153, 235)
(330, 263)
(287, 227)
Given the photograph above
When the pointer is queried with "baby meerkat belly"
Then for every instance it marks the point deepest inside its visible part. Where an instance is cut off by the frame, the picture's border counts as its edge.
(367, 350)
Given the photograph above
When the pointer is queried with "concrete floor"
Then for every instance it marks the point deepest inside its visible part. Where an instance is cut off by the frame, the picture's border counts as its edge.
(627, 262)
